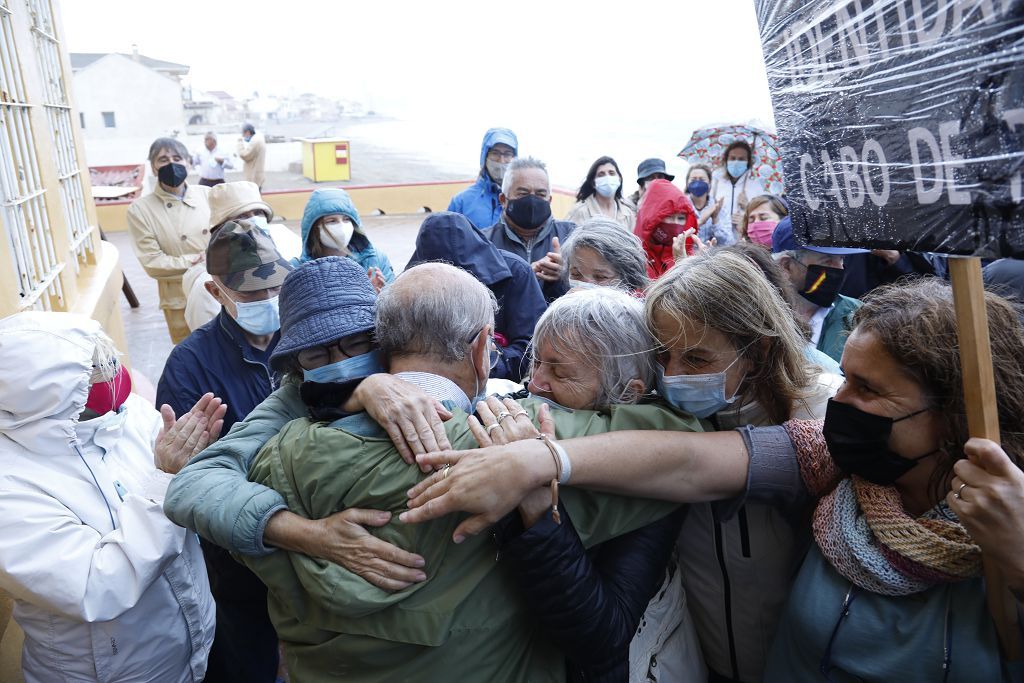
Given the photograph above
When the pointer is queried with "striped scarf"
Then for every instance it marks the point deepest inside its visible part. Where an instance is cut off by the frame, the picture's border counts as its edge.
(867, 536)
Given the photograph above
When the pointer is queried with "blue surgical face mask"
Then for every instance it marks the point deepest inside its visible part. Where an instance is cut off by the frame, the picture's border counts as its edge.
(606, 185)
(258, 317)
(698, 188)
(351, 368)
(736, 168)
(260, 221)
(698, 395)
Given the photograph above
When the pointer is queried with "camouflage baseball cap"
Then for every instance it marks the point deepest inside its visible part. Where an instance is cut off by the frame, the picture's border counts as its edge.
(245, 258)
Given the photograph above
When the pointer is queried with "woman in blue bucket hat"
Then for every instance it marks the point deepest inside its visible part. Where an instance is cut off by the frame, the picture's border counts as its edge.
(327, 322)
(331, 227)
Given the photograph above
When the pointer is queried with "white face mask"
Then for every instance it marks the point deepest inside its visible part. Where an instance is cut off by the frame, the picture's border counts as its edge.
(606, 185)
(496, 170)
(582, 284)
(337, 235)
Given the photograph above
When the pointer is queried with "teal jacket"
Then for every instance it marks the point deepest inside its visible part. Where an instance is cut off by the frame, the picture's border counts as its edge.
(920, 632)
(332, 200)
(836, 327)
(211, 494)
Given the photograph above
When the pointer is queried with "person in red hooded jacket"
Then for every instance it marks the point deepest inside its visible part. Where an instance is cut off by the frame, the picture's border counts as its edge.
(664, 213)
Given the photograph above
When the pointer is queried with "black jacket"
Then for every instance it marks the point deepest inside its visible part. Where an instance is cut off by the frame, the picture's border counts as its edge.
(589, 604)
(450, 237)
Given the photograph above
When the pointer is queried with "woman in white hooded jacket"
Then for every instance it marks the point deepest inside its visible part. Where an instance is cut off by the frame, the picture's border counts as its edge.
(106, 588)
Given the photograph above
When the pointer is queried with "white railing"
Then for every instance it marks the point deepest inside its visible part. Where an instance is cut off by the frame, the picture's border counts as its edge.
(22, 200)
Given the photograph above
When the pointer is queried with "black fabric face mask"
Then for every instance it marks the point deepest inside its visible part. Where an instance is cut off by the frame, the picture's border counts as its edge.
(172, 175)
(529, 212)
(859, 443)
(822, 284)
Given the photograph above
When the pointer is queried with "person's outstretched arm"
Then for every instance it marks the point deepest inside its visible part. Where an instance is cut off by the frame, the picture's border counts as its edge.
(490, 482)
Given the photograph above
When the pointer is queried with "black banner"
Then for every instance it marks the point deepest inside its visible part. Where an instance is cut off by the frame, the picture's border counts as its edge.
(900, 122)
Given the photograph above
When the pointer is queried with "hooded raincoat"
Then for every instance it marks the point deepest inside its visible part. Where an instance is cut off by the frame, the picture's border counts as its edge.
(106, 588)
(333, 200)
(662, 200)
(479, 202)
(449, 237)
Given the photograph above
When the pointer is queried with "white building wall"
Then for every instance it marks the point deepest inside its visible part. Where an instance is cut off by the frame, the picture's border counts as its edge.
(146, 104)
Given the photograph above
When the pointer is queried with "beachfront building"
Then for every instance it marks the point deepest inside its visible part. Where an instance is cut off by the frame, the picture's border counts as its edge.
(121, 95)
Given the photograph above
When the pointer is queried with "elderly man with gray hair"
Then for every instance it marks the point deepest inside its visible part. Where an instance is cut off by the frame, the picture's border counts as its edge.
(467, 616)
(599, 253)
(526, 227)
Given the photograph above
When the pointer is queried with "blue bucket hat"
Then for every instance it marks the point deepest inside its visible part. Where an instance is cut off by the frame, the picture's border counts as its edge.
(783, 240)
(321, 301)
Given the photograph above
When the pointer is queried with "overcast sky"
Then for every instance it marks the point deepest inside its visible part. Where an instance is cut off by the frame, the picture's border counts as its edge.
(680, 59)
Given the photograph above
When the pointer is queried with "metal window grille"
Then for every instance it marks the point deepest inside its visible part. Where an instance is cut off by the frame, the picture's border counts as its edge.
(21, 192)
(58, 110)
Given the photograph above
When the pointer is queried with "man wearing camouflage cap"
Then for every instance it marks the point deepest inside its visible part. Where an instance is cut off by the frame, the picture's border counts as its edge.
(231, 202)
(229, 356)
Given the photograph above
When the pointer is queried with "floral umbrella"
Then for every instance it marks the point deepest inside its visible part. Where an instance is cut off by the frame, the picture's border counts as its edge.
(707, 144)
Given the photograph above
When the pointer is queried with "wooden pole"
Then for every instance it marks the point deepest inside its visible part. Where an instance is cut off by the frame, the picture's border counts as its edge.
(982, 418)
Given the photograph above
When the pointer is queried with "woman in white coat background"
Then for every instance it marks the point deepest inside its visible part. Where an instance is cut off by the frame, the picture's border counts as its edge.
(105, 587)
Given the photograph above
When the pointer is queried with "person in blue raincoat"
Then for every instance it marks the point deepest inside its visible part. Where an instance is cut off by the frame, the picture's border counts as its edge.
(450, 237)
(331, 227)
(479, 202)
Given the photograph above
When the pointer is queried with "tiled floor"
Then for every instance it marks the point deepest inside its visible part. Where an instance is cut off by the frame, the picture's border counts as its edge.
(146, 332)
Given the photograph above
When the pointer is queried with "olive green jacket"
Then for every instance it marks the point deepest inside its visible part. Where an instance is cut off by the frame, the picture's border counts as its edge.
(466, 622)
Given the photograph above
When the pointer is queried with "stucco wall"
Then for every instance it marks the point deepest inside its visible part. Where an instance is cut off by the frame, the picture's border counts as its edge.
(145, 103)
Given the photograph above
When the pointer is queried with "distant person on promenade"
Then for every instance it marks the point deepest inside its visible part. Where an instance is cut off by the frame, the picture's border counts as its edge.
(526, 227)
(331, 227)
(230, 357)
(709, 213)
(601, 195)
(479, 202)
(170, 228)
(252, 148)
(599, 253)
(648, 170)
(451, 238)
(664, 214)
(232, 201)
(734, 183)
(211, 162)
(814, 275)
(761, 217)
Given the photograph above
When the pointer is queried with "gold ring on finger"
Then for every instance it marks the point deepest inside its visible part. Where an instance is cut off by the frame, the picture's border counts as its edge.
(445, 470)
(960, 491)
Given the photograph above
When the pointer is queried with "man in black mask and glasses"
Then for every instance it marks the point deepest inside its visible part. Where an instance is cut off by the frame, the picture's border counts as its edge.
(526, 227)
(815, 275)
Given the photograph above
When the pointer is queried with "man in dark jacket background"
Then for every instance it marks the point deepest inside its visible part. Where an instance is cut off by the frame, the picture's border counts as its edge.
(450, 237)
(526, 227)
(229, 356)
(479, 202)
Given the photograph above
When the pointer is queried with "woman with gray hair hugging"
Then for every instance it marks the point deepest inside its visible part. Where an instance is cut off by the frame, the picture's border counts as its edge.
(599, 253)
(592, 350)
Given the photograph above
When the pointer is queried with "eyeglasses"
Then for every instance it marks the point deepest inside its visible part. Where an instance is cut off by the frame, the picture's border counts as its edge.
(498, 155)
(319, 356)
(496, 352)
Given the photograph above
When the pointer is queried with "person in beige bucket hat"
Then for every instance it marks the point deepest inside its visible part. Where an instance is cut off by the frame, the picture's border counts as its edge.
(232, 201)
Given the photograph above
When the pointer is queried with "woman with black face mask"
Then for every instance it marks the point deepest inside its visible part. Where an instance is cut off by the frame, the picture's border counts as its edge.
(892, 587)
(170, 229)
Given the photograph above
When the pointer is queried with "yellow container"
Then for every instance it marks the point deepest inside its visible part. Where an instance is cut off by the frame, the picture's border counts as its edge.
(325, 159)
